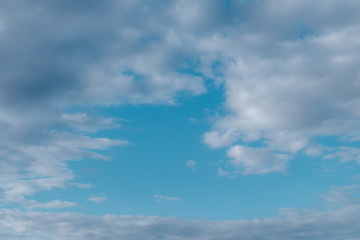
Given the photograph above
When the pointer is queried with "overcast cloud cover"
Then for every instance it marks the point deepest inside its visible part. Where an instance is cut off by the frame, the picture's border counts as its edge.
(289, 72)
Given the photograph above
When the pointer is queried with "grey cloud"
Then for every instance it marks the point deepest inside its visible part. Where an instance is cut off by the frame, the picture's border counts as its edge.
(32, 167)
(344, 195)
(338, 224)
(162, 198)
(256, 160)
(50, 205)
(64, 53)
(289, 71)
(87, 123)
(57, 46)
(290, 76)
(97, 199)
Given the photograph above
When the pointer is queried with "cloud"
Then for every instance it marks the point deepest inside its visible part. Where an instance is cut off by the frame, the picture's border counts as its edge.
(31, 168)
(256, 160)
(62, 55)
(344, 195)
(288, 69)
(290, 75)
(82, 121)
(336, 224)
(83, 185)
(162, 198)
(102, 54)
(51, 205)
(345, 154)
(191, 164)
(97, 199)
(223, 173)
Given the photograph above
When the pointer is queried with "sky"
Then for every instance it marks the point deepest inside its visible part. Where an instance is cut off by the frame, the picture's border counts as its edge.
(179, 119)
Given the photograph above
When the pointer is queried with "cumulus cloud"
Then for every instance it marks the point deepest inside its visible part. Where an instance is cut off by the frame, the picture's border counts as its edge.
(61, 54)
(94, 53)
(289, 71)
(256, 160)
(290, 75)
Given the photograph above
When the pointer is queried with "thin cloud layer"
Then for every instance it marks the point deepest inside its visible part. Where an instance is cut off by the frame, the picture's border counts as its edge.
(294, 224)
(162, 198)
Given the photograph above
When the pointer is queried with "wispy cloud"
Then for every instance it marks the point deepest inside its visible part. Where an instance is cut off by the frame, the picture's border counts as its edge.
(191, 164)
(294, 224)
(97, 199)
(162, 198)
(51, 205)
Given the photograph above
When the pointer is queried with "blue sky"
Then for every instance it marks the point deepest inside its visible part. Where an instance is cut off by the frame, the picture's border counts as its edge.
(179, 119)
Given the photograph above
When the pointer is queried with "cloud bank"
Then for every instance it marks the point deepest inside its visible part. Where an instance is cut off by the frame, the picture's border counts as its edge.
(294, 224)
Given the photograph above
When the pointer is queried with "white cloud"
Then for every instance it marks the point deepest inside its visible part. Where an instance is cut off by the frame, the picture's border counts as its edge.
(289, 71)
(97, 199)
(86, 123)
(31, 168)
(215, 139)
(51, 205)
(107, 54)
(83, 185)
(290, 76)
(336, 224)
(345, 154)
(256, 160)
(162, 198)
(343, 195)
(223, 173)
(191, 164)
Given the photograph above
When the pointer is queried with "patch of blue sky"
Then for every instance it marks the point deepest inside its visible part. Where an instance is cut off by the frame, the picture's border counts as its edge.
(303, 30)
(162, 139)
(134, 75)
(336, 141)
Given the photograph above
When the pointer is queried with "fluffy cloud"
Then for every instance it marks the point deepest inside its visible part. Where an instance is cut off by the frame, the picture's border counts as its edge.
(289, 71)
(94, 52)
(290, 75)
(256, 160)
(59, 54)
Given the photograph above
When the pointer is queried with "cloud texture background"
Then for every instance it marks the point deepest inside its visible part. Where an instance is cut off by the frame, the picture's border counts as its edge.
(289, 72)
